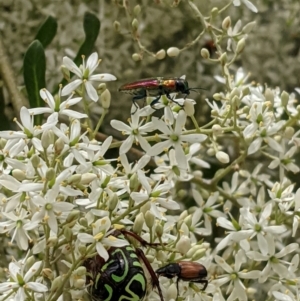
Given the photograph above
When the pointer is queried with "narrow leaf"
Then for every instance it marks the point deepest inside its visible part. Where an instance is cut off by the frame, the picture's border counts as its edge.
(47, 31)
(34, 74)
(91, 26)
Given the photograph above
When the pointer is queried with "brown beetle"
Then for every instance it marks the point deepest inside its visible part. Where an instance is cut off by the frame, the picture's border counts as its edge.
(186, 271)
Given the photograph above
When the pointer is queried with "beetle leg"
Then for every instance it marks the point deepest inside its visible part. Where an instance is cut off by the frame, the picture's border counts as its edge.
(177, 287)
(154, 278)
(173, 100)
(154, 101)
(142, 241)
(201, 281)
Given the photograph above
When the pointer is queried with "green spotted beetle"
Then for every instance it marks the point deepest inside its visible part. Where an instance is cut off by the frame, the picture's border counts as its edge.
(121, 277)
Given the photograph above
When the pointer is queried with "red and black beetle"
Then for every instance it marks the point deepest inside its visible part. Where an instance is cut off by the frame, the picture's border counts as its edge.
(185, 270)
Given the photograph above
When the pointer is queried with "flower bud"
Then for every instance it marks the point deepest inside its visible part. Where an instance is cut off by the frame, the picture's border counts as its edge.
(222, 157)
(217, 96)
(66, 73)
(117, 26)
(134, 182)
(136, 57)
(199, 254)
(68, 234)
(74, 179)
(284, 98)
(214, 12)
(172, 292)
(217, 130)
(223, 58)
(19, 174)
(47, 138)
(87, 178)
(183, 245)
(59, 145)
(269, 95)
(245, 91)
(240, 46)
(150, 258)
(73, 216)
(226, 23)
(50, 174)
(83, 222)
(173, 51)
(35, 161)
(29, 262)
(159, 230)
(149, 219)
(105, 98)
(289, 132)
(192, 251)
(135, 24)
(161, 54)
(183, 215)
(113, 202)
(82, 249)
(145, 208)
(137, 10)
(248, 27)
(205, 53)
(138, 223)
(211, 151)
(56, 283)
(188, 107)
(47, 273)
(52, 241)
(188, 221)
(235, 92)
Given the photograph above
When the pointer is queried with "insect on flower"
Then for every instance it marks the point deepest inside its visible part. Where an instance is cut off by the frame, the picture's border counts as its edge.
(122, 276)
(156, 87)
(186, 271)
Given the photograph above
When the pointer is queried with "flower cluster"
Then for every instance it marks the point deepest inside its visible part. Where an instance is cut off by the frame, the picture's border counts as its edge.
(190, 194)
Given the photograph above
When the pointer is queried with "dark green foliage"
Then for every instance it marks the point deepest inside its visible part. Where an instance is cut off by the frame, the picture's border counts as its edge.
(34, 74)
(47, 31)
(91, 26)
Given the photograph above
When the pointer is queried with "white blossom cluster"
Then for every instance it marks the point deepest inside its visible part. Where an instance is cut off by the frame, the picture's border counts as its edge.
(61, 197)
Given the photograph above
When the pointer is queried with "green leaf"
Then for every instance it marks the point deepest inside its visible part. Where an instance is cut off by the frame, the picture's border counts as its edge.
(34, 74)
(47, 31)
(91, 26)
(4, 122)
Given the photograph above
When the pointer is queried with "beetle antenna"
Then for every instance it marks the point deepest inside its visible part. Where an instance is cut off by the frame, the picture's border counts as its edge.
(193, 89)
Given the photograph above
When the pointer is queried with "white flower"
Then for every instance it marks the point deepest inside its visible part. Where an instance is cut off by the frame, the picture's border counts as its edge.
(19, 224)
(86, 77)
(171, 169)
(249, 4)
(207, 211)
(55, 105)
(222, 157)
(273, 260)
(234, 276)
(50, 208)
(175, 138)
(286, 160)
(235, 234)
(101, 236)
(232, 33)
(135, 131)
(156, 195)
(22, 282)
(260, 228)
(29, 132)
